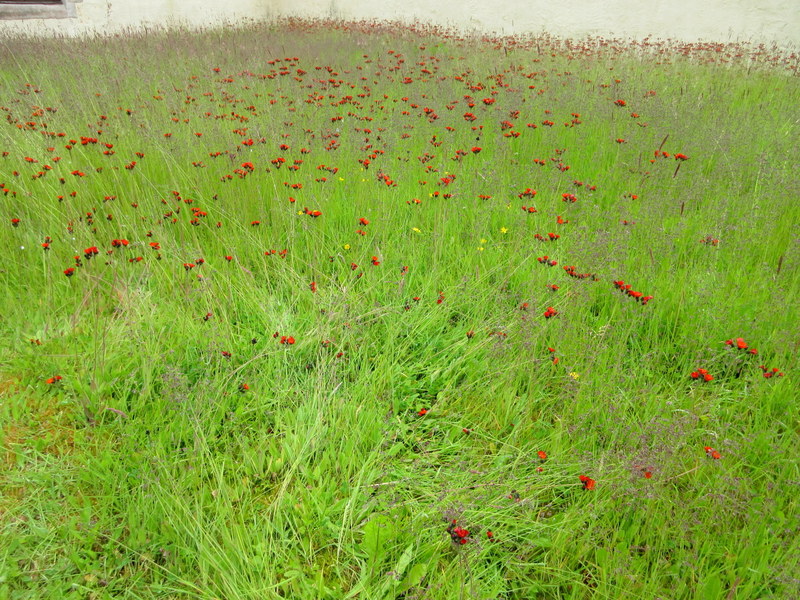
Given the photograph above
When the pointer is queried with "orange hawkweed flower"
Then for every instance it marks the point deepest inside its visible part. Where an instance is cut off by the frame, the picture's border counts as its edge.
(458, 534)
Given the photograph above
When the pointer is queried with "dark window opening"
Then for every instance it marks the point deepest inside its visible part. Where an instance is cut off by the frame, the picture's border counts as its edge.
(37, 9)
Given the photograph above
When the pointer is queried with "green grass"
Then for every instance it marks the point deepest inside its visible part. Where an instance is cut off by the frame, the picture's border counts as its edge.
(420, 389)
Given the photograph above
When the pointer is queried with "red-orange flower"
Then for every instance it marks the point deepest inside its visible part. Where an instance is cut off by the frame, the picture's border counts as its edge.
(458, 534)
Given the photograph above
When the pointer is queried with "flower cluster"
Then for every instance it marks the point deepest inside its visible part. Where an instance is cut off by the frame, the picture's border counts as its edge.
(769, 373)
(740, 344)
(629, 291)
(551, 237)
(545, 260)
(459, 535)
(555, 359)
(572, 272)
(701, 374)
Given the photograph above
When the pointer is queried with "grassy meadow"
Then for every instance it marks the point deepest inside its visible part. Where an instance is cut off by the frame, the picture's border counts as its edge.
(335, 311)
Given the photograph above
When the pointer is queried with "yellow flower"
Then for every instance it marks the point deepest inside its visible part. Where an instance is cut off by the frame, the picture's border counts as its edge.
(346, 246)
(341, 178)
(480, 248)
(574, 375)
(415, 230)
(483, 240)
(503, 230)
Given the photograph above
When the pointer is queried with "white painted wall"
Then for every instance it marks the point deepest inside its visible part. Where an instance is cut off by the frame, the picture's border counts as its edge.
(715, 20)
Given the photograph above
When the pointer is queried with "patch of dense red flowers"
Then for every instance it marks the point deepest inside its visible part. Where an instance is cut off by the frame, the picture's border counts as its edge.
(546, 260)
(770, 373)
(702, 375)
(740, 344)
(459, 535)
(630, 292)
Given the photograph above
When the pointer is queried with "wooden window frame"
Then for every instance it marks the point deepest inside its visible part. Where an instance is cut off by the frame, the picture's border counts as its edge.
(33, 9)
